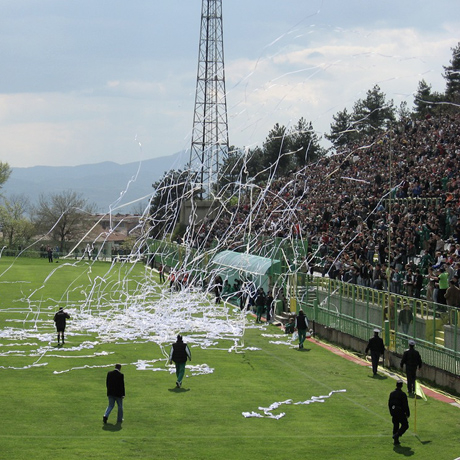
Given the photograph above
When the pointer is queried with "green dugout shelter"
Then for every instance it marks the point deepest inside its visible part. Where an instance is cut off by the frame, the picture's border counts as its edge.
(233, 265)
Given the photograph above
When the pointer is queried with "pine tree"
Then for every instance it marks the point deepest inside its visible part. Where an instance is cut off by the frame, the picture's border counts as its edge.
(426, 101)
(304, 143)
(277, 150)
(233, 171)
(373, 113)
(342, 130)
(165, 205)
(452, 76)
(423, 98)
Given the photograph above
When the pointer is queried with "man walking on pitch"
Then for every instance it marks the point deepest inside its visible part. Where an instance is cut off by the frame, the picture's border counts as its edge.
(377, 348)
(115, 383)
(180, 352)
(60, 319)
(399, 410)
(412, 359)
(301, 324)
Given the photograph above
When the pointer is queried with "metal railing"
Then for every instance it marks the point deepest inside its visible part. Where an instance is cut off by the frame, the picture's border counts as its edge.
(357, 310)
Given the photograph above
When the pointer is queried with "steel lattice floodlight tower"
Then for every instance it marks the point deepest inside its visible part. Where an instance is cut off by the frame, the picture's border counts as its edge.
(210, 145)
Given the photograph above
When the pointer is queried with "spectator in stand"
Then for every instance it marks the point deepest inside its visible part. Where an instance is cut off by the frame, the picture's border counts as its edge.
(443, 280)
(449, 269)
(409, 282)
(452, 295)
(396, 281)
(405, 318)
(418, 283)
(440, 260)
(376, 275)
(328, 205)
(431, 285)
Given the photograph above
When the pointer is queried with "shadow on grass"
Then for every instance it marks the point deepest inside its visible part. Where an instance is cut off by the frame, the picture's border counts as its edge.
(403, 450)
(422, 442)
(303, 349)
(112, 427)
(178, 390)
(378, 377)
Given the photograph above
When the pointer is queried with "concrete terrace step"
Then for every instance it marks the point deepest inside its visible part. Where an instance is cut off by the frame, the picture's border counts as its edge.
(439, 337)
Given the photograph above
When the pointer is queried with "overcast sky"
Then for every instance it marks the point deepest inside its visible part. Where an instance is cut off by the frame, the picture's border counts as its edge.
(86, 81)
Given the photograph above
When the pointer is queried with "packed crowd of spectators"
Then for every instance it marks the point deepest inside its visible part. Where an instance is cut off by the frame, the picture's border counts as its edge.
(381, 212)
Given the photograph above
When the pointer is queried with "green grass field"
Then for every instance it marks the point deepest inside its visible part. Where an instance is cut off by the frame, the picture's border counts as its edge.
(53, 410)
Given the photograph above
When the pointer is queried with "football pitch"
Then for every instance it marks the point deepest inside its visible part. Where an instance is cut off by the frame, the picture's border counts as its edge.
(54, 397)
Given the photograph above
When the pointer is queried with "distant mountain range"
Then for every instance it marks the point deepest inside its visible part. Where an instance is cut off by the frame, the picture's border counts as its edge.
(101, 184)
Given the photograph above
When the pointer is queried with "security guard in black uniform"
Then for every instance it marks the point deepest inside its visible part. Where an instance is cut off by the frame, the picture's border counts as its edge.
(377, 348)
(412, 359)
(399, 410)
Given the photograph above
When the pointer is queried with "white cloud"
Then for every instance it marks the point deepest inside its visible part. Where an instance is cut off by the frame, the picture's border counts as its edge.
(78, 90)
(330, 73)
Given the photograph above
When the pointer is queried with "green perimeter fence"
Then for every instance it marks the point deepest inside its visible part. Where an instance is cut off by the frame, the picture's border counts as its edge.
(357, 310)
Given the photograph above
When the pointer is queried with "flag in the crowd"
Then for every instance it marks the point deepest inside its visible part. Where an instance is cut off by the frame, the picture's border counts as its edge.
(419, 391)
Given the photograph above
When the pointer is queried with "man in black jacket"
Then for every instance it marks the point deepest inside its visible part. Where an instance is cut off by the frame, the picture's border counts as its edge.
(180, 352)
(412, 359)
(60, 319)
(377, 348)
(301, 324)
(115, 383)
(399, 410)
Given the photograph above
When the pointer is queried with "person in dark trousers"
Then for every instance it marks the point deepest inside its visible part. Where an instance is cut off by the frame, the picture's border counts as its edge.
(49, 251)
(301, 324)
(412, 359)
(418, 285)
(60, 318)
(269, 306)
(405, 318)
(399, 410)
(218, 286)
(115, 383)
(260, 304)
(180, 353)
(161, 272)
(377, 349)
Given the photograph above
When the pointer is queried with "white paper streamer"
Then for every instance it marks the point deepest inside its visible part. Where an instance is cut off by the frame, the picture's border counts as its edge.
(203, 324)
(267, 411)
(24, 367)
